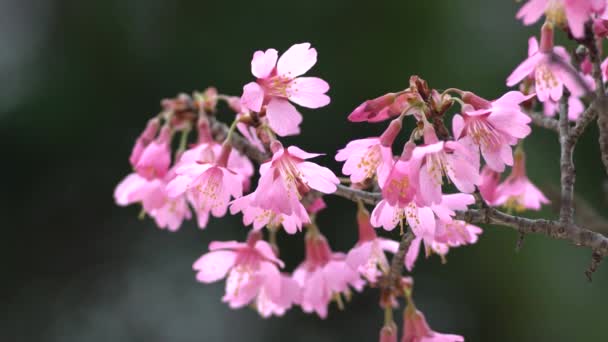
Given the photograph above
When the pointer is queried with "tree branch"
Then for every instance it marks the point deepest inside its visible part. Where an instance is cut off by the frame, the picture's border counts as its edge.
(566, 213)
(544, 121)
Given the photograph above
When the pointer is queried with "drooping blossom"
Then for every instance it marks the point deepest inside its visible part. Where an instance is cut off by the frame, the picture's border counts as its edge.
(493, 127)
(209, 183)
(371, 157)
(388, 333)
(144, 139)
(447, 235)
(575, 108)
(285, 179)
(268, 304)
(550, 76)
(574, 13)
(151, 194)
(443, 158)
(516, 192)
(416, 329)
(367, 256)
(323, 275)
(261, 218)
(155, 158)
(488, 184)
(278, 83)
(251, 269)
(401, 184)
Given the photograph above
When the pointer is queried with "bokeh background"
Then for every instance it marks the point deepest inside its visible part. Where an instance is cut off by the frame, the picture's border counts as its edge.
(80, 79)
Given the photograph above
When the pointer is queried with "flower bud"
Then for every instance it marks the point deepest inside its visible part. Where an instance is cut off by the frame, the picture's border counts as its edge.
(388, 137)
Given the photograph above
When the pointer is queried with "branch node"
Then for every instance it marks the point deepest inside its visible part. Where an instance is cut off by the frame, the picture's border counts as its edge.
(596, 258)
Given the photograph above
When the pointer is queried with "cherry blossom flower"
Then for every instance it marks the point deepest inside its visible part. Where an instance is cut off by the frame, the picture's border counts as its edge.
(268, 304)
(208, 183)
(401, 184)
(488, 184)
(367, 257)
(443, 158)
(384, 107)
(251, 270)
(516, 192)
(416, 329)
(370, 157)
(278, 81)
(144, 139)
(323, 275)
(155, 158)
(575, 108)
(261, 218)
(167, 212)
(286, 178)
(550, 77)
(388, 333)
(453, 234)
(561, 12)
(493, 127)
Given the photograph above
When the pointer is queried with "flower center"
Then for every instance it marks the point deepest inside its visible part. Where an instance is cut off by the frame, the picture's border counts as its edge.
(555, 12)
(292, 178)
(545, 79)
(370, 160)
(483, 134)
(278, 86)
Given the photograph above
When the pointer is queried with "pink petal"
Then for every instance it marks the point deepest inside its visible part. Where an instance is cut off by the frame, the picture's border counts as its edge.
(297, 60)
(300, 153)
(253, 96)
(577, 13)
(532, 11)
(524, 69)
(532, 46)
(318, 177)
(309, 92)
(412, 253)
(213, 266)
(263, 63)
(283, 117)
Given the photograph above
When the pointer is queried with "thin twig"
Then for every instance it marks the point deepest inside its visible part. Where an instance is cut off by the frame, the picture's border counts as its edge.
(544, 121)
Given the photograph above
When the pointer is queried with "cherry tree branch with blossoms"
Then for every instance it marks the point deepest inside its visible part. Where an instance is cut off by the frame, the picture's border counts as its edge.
(447, 178)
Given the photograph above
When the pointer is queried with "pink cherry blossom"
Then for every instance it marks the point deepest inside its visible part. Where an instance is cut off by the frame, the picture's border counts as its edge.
(269, 304)
(401, 184)
(155, 158)
(367, 257)
(288, 177)
(388, 333)
(365, 159)
(250, 268)
(323, 275)
(383, 107)
(278, 81)
(517, 192)
(144, 139)
(444, 158)
(261, 218)
(167, 212)
(575, 12)
(550, 77)
(493, 127)
(488, 184)
(207, 182)
(575, 108)
(416, 329)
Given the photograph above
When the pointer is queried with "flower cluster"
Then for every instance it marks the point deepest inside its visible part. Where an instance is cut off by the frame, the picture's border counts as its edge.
(458, 145)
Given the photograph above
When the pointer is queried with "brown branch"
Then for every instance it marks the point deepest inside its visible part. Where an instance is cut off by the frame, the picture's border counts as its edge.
(544, 121)
(566, 213)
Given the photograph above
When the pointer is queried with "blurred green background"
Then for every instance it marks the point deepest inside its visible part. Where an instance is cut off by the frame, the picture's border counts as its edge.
(80, 79)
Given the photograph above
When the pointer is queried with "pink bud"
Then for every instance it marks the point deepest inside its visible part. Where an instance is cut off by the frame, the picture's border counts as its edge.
(144, 140)
(546, 38)
(476, 101)
(204, 131)
(600, 27)
(388, 333)
(366, 231)
(388, 137)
